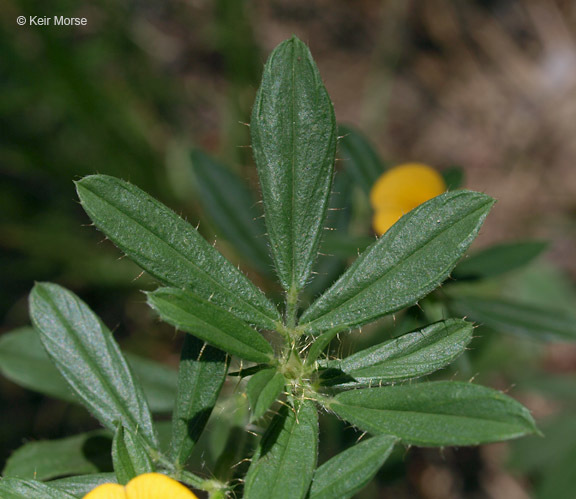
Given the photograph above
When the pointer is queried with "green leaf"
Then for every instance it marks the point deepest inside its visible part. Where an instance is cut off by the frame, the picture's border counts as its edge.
(351, 470)
(169, 248)
(293, 132)
(17, 488)
(320, 343)
(248, 371)
(359, 157)
(453, 177)
(499, 259)
(285, 460)
(80, 485)
(43, 460)
(85, 353)
(404, 265)
(436, 414)
(24, 360)
(345, 245)
(158, 382)
(329, 266)
(409, 356)
(535, 321)
(227, 441)
(211, 323)
(200, 378)
(129, 455)
(231, 207)
(263, 389)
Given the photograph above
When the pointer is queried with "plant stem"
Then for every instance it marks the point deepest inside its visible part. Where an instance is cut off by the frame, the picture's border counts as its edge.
(179, 474)
(291, 308)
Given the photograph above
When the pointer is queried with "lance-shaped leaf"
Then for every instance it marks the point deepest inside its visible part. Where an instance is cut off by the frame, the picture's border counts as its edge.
(80, 485)
(535, 321)
(409, 261)
(499, 259)
(351, 470)
(201, 375)
(211, 323)
(169, 248)
(43, 460)
(320, 344)
(24, 360)
(129, 456)
(17, 488)
(359, 157)
(408, 356)
(294, 143)
(85, 353)
(263, 389)
(231, 207)
(436, 414)
(285, 460)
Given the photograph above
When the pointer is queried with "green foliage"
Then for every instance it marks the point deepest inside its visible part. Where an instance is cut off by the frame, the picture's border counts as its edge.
(129, 455)
(201, 375)
(169, 248)
(211, 323)
(404, 265)
(359, 157)
(409, 356)
(286, 457)
(421, 414)
(293, 132)
(87, 356)
(453, 177)
(545, 323)
(263, 389)
(549, 461)
(499, 259)
(290, 365)
(17, 488)
(24, 360)
(47, 459)
(348, 472)
(330, 265)
(80, 485)
(231, 206)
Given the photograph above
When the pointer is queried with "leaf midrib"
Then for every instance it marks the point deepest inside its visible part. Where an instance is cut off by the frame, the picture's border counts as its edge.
(285, 450)
(177, 445)
(367, 459)
(293, 168)
(408, 257)
(179, 254)
(425, 414)
(119, 402)
(203, 323)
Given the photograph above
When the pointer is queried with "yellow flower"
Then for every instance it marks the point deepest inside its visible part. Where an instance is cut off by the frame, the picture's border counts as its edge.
(146, 486)
(400, 190)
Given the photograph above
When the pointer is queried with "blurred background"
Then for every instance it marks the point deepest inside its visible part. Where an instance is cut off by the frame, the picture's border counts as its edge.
(489, 86)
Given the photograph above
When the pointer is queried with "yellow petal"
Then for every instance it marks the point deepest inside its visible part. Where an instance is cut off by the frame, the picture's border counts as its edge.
(156, 486)
(107, 491)
(406, 186)
(386, 218)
